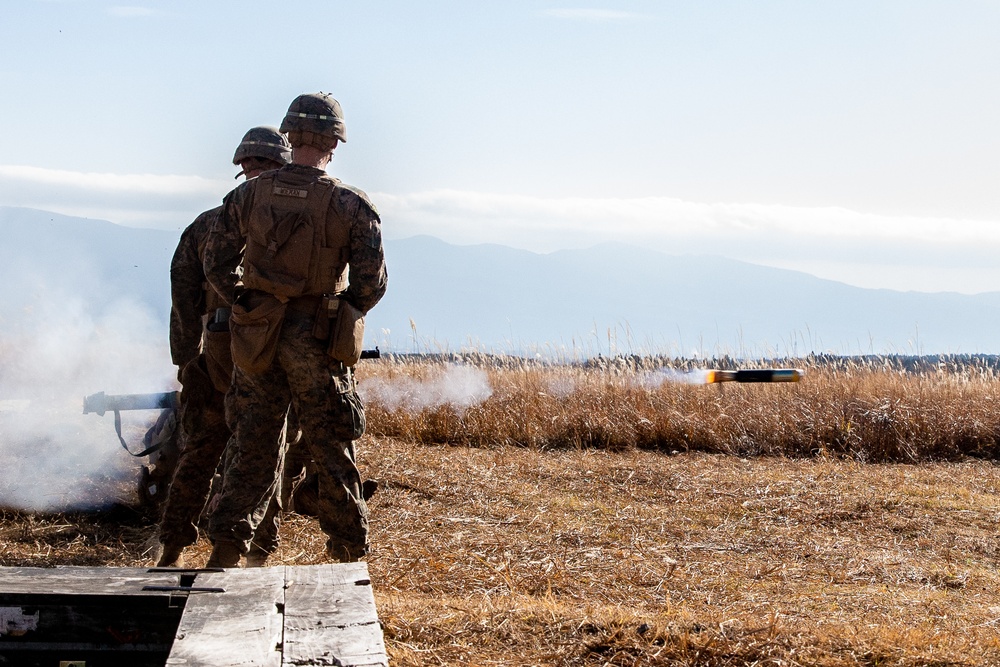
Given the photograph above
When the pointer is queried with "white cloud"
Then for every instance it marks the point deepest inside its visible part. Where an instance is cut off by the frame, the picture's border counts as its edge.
(140, 200)
(590, 14)
(106, 183)
(933, 254)
(901, 252)
(539, 223)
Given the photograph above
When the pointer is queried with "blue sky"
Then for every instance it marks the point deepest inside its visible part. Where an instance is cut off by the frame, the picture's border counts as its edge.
(854, 140)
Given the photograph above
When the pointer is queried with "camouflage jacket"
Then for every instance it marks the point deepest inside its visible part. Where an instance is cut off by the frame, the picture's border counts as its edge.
(193, 304)
(367, 277)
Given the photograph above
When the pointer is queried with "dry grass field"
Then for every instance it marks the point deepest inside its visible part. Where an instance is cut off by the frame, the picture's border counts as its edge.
(600, 515)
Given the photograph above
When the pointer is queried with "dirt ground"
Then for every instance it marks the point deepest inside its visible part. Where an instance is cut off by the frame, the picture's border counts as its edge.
(516, 556)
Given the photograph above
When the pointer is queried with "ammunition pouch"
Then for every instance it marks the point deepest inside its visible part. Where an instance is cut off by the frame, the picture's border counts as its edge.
(349, 422)
(343, 327)
(255, 325)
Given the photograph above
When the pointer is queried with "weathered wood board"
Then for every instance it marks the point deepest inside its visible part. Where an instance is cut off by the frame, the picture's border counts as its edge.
(239, 627)
(82, 580)
(330, 619)
(261, 617)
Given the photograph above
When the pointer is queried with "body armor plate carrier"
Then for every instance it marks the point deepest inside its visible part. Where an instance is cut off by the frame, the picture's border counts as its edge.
(297, 245)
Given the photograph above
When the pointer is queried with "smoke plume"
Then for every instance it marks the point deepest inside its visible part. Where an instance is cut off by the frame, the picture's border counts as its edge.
(54, 349)
(656, 379)
(458, 386)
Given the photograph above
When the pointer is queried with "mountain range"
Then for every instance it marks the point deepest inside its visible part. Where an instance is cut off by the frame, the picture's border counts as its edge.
(606, 299)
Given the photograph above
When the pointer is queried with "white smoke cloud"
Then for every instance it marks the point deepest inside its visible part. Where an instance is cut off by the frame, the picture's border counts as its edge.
(458, 386)
(55, 457)
(561, 387)
(656, 379)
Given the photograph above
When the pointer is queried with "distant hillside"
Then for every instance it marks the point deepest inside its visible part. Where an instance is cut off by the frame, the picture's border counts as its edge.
(513, 299)
(445, 297)
(55, 261)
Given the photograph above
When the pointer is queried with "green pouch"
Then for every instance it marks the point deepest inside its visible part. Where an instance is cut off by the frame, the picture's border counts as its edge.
(347, 333)
(255, 333)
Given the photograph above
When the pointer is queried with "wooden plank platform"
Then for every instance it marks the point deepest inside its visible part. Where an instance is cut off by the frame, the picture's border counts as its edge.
(242, 626)
(328, 615)
(266, 617)
(82, 580)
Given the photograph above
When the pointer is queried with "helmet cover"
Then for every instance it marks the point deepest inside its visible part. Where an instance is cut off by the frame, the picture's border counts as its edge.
(318, 113)
(264, 142)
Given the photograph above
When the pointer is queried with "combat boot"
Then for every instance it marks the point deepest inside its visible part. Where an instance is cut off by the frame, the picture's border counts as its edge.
(225, 554)
(344, 552)
(170, 556)
(256, 557)
(305, 496)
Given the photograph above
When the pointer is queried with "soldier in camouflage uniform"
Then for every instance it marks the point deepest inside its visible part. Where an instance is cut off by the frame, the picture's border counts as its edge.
(205, 365)
(306, 246)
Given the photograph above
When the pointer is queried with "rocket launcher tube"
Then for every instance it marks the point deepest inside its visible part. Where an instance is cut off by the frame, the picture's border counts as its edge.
(755, 375)
(101, 402)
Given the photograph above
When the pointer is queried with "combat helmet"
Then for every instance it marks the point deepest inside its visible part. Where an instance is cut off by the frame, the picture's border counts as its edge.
(264, 142)
(315, 114)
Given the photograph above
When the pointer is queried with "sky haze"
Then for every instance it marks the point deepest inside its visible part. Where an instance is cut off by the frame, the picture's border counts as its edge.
(853, 140)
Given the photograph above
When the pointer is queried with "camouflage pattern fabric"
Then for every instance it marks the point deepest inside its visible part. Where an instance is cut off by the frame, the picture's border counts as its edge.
(204, 439)
(204, 433)
(322, 393)
(321, 390)
(193, 305)
(367, 275)
(189, 301)
(298, 466)
(205, 365)
(204, 436)
(265, 540)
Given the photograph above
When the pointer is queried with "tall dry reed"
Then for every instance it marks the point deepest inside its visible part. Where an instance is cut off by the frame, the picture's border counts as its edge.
(880, 409)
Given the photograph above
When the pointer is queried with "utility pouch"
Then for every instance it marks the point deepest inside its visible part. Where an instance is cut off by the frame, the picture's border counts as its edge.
(348, 413)
(255, 326)
(347, 332)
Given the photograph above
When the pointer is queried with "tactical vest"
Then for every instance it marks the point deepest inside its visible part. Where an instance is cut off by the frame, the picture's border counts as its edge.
(296, 245)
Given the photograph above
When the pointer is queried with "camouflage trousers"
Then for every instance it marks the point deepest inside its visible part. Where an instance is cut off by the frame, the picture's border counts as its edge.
(204, 436)
(321, 392)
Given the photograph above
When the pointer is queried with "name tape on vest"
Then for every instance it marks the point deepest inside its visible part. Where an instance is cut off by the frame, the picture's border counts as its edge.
(290, 192)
